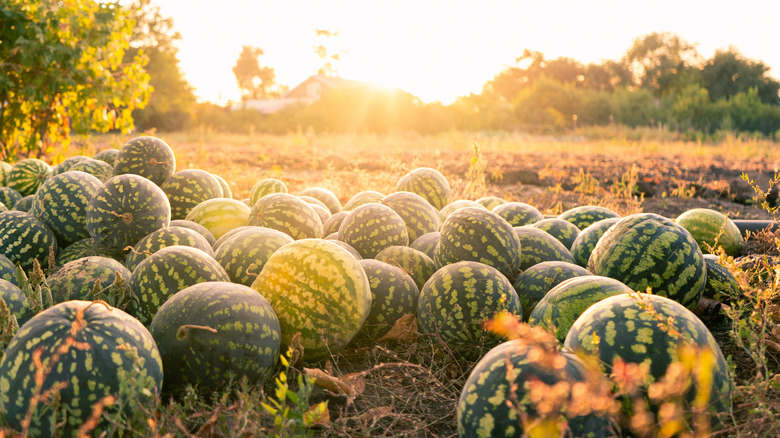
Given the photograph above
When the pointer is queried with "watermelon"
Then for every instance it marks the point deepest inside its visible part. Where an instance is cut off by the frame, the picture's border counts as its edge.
(322, 212)
(333, 223)
(14, 300)
(327, 197)
(244, 254)
(348, 247)
(564, 303)
(125, 209)
(721, 284)
(231, 233)
(419, 216)
(107, 156)
(27, 175)
(585, 242)
(203, 231)
(458, 299)
(648, 329)
(213, 332)
(319, 290)
(8, 270)
(5, 171)
(534, 283)
(372, 227)
(518, 213)
(3, 207)
(97, 168)
(149, 157)
(361, 198)
(62, 202)
(490, 202)
(226, 192)
(712, 229)
(314, 201)
(76, 280)
(393, 295)
(67, 163)
(479, 235)
(540, 246)
(286, 213)
(164, 237)
(9, 197)
(24, 204)
(220, 215)
(495, 400)
(586, 215)
(413, 262)
(428, 183)
(168, 271)
(427, 243)
(86, 248)
(647, 250)
(90, 350)
(266, 187)
(189, 187)
(24, 239)
(562, 230)
(457, 205)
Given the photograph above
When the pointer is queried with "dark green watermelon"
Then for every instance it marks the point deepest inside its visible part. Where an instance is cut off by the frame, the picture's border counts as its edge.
(266, 187)
(9, 197)
(540, 246)
(67, 163)
(288, 214)
(393, 295)
(125, 209)
(76, 280)
(361, 198)
(23, 239)
(86, 248)
(427, 243)
(333, 223)
(721, 283)
(534, 283)
(203, 231)
(585, 242)
(518, 213)
(490, 202)
(97, 168)
(586, 215)
(8, 270)
(562, 230)
(24, 204)
(419, 216)
(107, 156)
(107, 346)
(213, 332)
(448, 209)
(27, 175)
(414, 263)
(61, 203)
(189, 187)
(243, 254)
(149, 157)
(372, 227)
(162, 238)
(15, 301)
(428, 183)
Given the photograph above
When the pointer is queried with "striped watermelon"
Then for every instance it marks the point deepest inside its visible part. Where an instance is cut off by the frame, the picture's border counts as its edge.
(458, 299)
(448, 209)
(319, 290)
(189, 187)
(226, 192)
(203, 231)
(322, 212)
(562, 230)
(419, 216)
(8, 270)
(479, 235)
(372, 227)
(3, 207)
(14, 300)
(125, 209)
(213, 332)
(490, 202)
(534, 283)
(495, 400)
(427, 243)
(518, 213)
(67, 163)
(647, 250)
(9, 197)
(244, 254)
(428, 183)
(24, 239)
(648, 329)
(97, 168)
(5, 171)
(314, 202)
(586, 215)
(220, 215)
(413, 262)
(90, 350)
(266, 187)
(286, 213)
(107, 156)
(61, 203)
(564, 303)
(333, 223)
(361, 198)
(164, 237)
(348, 247)
(585, 242)
(24, 204)
(393, 295)
(721, 284)
(27, 175)
(539, 246)
(327, 197)
(86, 248)
(231, 233)
(712, 229)
(168, 271)
(147, 156)
(76, 280)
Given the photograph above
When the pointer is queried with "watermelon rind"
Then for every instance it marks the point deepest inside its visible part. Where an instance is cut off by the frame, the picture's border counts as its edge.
(148, 156)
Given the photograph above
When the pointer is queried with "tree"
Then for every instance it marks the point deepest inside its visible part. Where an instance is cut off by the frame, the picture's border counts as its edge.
(63, 70)
(255, 82)
(325, 54)
(659, 61)
(171, 105)
(728, 73)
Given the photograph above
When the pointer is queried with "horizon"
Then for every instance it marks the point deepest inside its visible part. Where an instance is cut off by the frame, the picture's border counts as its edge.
(440, 51)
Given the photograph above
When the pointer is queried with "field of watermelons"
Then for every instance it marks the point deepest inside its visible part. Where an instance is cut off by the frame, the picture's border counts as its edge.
(460, 284)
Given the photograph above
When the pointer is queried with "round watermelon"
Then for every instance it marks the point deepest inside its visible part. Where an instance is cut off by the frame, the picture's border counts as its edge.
(319, 290)
(107, 156)
(712, 229)
(86, 248)
(226, 192)
(491, 202)
(24, 239)
(244, 254)
(203, 231)
(327, 197)
(414, 263)
(518, 213)
(419, 216)
(333, 223)
(97, 168)
(67, 163)
(540, 246)
(286, 213)
(76, 280)
(361, 198)
(24, 204)
(721, 283)
(62, 202)
(213, 332)
(372, 227)
(189, 187)
(585, 242)
(428, 183)
(164, 237)
(27, 175)
(5, 171)
(266, 187)
(8, 270)
(14, 300)
(562, 230)
(147, 156)
(534, 283)
(9, 197)
(427, 243)
(220, 215)
(393, 295)
(448, 209)
(586, 215)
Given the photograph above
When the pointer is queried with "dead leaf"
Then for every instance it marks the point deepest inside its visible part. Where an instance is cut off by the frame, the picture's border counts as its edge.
(350, 385)
(296, 348)
(404, 330)
(317, 415)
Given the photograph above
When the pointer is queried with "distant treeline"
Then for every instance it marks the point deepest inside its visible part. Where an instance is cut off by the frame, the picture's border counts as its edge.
(660, 81)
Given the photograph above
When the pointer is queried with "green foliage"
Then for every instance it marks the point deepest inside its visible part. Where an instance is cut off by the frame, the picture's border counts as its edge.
(255, 82)
(728, 73)
(64, 69)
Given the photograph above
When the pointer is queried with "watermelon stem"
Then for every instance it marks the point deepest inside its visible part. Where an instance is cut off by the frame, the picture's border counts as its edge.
(184, 330)
(126, 217)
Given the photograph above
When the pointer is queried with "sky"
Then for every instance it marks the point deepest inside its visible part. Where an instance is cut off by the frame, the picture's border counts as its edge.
(439, 50)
